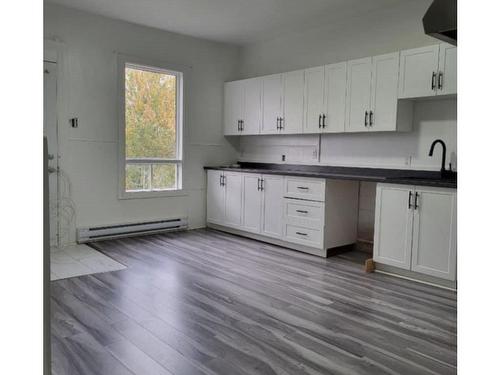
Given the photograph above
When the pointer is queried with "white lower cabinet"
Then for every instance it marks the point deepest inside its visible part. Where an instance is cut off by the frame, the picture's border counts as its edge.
(306, 214)
(224, 198)
(272, 205)
(415, 229)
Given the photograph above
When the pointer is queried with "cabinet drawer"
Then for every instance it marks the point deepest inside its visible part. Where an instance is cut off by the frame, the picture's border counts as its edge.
(306, 236)
(304, 213)
(305, 188)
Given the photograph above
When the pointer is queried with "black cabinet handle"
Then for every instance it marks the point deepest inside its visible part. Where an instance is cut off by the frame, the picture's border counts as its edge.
(302, 211)
(433, 81)
(302, 187)
(409, 200)
(281, 123)
(440, 81)
(277, 123)
(416, 201)
(371, 118)
(301, 234)
(324, 120)
(258, 184)
(319, 121)
(261, 184)
(366, 119)
(220, 180)
(242, 125)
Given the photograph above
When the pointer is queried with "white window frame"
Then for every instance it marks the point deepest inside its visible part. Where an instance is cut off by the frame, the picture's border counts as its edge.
(159, 67)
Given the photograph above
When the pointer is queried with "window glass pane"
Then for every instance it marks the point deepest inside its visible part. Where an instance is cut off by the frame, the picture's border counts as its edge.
(150, 114)
(137, 177)
(164, 176)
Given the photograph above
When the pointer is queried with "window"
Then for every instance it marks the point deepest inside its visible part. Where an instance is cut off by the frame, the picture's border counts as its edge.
(151, 130)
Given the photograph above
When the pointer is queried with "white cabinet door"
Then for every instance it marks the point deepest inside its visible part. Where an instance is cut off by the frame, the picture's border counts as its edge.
(272, 93)
(418, 72)
(447, 78)
(335, 97)
(393, 225)
(252, 109)
(234, 198)
(293, 102)
(233, 107)
(314, 99)
(434, 249)
(384, 88)
(215, 197)
(272, 217)
(252, 203)
(358, 94)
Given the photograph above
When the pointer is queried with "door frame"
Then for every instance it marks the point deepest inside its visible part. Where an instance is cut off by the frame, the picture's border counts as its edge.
(53, 52)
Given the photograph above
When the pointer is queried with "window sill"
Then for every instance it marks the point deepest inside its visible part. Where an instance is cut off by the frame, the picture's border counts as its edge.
(152, 194)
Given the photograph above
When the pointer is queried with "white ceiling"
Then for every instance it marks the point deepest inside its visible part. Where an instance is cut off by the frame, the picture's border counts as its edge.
(230, 21)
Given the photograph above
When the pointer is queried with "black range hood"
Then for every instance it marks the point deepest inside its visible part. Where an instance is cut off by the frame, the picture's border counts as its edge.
(440, 21)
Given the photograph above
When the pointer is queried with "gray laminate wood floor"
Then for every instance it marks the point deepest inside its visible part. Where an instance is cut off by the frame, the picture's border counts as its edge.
(205, 302)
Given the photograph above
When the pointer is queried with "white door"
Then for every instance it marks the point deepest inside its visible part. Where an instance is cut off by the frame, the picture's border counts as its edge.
(434, 248)
(252, 109)
(272, 217)
(393, 225)
(447, 76)
(358, 94)
(335, 97)
(272, 93)
(252, 203)
(233, 107)
(234, 198)
(384, 88)
(50, 131)
(215, 197)
(293, 102)
(314, 97)
(418, 72)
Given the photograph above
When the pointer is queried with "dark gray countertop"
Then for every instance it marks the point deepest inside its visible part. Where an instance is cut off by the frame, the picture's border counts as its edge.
(394, 176)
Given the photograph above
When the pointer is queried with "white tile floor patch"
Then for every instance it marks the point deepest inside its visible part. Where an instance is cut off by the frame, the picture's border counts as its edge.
(79, 260)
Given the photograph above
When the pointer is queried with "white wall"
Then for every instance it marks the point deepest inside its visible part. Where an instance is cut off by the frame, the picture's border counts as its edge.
(89, 152)
(371, 34)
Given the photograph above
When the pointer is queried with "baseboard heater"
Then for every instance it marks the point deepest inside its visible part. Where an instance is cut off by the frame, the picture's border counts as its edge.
(106, 232)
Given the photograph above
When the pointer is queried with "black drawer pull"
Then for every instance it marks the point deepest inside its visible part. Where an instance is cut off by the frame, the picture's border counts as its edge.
(301, 234)
(302, 211)
(302, 187)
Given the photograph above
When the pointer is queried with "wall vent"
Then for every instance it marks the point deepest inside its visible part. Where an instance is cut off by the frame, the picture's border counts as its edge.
(106, 232)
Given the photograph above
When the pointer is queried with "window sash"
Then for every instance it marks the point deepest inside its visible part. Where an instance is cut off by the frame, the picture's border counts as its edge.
(180, 71)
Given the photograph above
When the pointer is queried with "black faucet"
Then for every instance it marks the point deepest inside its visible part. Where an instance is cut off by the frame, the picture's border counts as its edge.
(444, 173)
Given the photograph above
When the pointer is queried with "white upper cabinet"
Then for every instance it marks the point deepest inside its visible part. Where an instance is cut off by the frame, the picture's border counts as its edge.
(233, 107)
(447, 75)
(243, 107)
(372, 96)
(314, 99)
(428, 71)
(293, 102)
(252, 106)
(272, 113)
(434, 233)
(358, 94)
(384, 91)
(335, 98)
